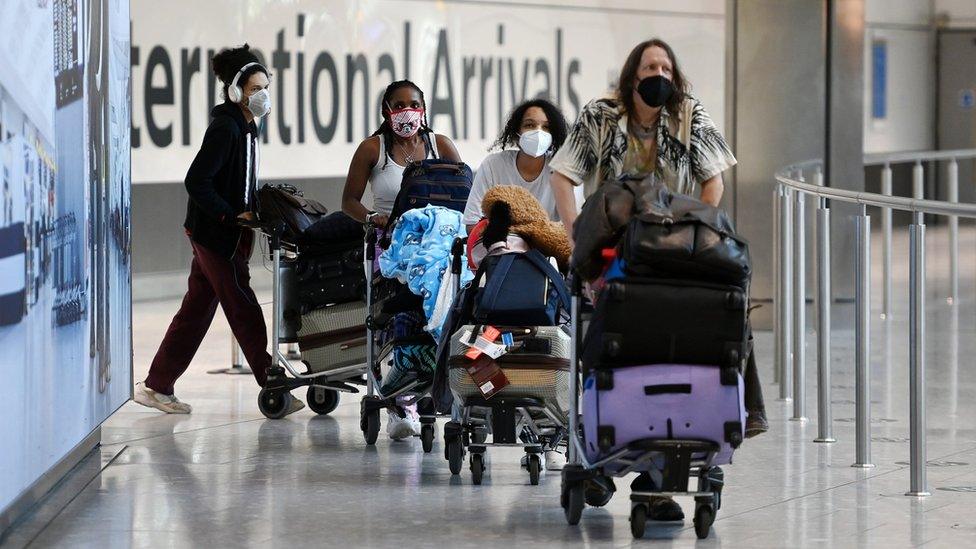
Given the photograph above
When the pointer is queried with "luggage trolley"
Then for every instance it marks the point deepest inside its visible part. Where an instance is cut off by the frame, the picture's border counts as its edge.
(515, 421)
(323, 387)
(670, 462)
(415, 390)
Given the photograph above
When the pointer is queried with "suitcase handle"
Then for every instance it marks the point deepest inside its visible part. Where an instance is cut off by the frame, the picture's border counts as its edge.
(668, 388)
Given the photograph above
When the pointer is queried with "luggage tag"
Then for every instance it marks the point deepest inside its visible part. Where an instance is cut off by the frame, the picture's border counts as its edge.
(487, 375)
(484, 344)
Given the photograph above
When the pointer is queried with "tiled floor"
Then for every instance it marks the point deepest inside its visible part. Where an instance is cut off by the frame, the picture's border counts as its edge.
(226, 477)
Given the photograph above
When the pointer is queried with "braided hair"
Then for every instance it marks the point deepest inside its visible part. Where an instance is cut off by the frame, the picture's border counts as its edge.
(385, 131)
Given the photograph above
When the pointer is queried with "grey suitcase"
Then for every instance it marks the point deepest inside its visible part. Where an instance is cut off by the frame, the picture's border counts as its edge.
(334, 337)
(541, 370)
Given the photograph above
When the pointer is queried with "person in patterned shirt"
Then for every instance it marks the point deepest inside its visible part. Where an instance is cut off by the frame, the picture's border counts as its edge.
(650, 125)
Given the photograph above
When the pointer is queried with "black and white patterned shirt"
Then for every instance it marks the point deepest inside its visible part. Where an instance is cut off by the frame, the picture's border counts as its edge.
(690, 149)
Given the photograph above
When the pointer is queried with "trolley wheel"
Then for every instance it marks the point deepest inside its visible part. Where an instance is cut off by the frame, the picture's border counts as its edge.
(477, 468)
(455, 455)
(427, 437)
(322, 401)
(535, 467)
(596, 495)
(479, 435)
(371, 427)
(274, 403)
(638, 520)
(573, 503)
(704, 517)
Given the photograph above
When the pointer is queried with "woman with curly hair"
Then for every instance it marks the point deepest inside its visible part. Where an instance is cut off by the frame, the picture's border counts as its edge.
(538, 129)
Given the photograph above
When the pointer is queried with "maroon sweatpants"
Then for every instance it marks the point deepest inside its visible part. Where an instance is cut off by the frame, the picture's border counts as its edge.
(213, 279)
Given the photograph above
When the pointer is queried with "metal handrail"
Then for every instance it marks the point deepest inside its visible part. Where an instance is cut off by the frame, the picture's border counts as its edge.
(901, 157)
(790, 288)
(935, 207)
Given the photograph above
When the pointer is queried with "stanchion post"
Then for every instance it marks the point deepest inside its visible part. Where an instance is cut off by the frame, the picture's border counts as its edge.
(786, 295)
(799, 306)
(886, 243)
(824, 412)
(916, 356)
(777, 305)
(235, 353)
(862, 342)
(952, 189)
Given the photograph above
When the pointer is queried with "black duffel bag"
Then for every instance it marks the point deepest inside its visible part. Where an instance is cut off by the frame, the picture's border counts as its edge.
(677, 236)
(285, 206)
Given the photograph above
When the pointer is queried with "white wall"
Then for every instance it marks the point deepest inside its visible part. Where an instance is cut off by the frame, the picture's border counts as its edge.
(957, 13)
(904, 25)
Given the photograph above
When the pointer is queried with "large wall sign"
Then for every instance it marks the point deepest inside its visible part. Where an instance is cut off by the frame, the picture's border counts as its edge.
(331, 60)
(65, 307)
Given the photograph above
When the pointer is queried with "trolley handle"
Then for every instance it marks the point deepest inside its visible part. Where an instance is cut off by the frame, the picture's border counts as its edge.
(457, 254)
(370, 241)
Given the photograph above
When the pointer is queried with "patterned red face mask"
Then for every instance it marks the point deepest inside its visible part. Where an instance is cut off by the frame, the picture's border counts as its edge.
(406, 122)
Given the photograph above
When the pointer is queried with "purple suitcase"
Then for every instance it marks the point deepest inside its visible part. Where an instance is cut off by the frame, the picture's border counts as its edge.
(661, 401)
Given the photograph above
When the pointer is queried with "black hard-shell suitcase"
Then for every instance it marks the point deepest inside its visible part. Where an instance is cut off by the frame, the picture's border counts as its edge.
(652, 321)
(330, 275)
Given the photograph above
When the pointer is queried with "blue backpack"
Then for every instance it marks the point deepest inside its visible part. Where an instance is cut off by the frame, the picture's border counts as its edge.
(522, 289)
(435, 181)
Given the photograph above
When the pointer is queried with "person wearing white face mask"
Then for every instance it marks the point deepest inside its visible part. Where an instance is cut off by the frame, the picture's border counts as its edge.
(538, 129)
(222, 183)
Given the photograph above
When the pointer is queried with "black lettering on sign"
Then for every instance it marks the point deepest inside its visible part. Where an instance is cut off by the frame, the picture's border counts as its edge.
(486, 71)
(320, 94)
(443, 105)
(189, 65)
(300, 85)
(387, 65)
(542, 67)
(356, 65)
(325, 64)
(281, 59)
(468, 72)
(574, 69)
(161, 136)
(135, 137)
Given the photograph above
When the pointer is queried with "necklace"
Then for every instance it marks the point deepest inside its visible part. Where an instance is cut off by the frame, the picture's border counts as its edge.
(642, 133)
(409, 156)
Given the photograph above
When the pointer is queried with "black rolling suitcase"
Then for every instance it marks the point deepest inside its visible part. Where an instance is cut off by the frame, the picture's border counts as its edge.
(330, 275)
(653, 321)
(329, 269)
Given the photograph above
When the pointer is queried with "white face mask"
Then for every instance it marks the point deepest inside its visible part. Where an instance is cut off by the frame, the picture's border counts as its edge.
(535, 143)
(259, 103)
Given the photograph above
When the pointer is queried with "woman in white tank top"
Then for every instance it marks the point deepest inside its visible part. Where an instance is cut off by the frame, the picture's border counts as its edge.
(403, 138)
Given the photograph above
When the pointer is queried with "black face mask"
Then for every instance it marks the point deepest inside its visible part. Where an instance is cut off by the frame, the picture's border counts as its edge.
(655, 90)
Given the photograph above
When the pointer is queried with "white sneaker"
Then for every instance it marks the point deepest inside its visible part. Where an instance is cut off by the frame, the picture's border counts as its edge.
(555, 461)
(399, 428)
(295, 406)
(166, 403)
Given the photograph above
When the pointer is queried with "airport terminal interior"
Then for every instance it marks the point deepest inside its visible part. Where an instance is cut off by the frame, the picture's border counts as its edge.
(759, 335)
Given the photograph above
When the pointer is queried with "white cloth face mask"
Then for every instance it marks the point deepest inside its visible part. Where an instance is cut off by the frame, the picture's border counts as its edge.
(259, 103)
(535, 143)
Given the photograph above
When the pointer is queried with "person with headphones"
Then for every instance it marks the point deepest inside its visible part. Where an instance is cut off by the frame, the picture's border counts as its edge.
(222, 183)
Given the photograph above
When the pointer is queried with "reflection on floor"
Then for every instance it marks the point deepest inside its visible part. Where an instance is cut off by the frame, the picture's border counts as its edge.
(226, 477)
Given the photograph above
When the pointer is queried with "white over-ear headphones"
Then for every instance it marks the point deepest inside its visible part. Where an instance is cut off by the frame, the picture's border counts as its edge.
(234, 92)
